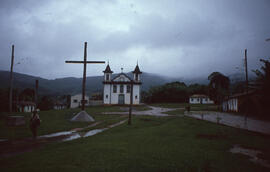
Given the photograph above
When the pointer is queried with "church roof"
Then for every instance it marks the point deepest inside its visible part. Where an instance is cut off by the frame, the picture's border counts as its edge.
(137, 70)
(120, 75)
(108, 69)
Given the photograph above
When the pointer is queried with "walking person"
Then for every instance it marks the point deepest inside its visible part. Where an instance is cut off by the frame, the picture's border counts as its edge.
(34, 123)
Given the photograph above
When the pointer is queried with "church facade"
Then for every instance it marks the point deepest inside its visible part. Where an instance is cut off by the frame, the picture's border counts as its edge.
(118, 90)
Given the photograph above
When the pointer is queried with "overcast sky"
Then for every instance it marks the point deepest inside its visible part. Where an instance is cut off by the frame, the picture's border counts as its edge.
(178, 38)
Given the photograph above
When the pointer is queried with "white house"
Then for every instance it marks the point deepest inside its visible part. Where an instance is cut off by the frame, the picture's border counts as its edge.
(200, 99)
(26, 106)
(59, 105)
(247, 102)
(118, 89)
(76, 101)
(230, 104)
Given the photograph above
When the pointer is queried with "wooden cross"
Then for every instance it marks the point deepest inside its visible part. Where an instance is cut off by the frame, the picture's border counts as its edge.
(84, 71)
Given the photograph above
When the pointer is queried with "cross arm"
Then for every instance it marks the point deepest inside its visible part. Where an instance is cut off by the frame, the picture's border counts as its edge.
(68, 61)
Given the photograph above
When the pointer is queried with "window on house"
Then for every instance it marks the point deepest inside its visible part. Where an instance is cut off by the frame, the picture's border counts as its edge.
(106, 96)
(136, 97)
(114, 88)
(121, 88)
(206, 99)
(136, 77)
(107, 77)
(192, 99)
(128, 88)
(75, 101)
(198, 99)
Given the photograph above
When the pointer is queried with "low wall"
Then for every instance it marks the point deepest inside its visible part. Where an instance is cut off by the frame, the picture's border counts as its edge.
(95, 102)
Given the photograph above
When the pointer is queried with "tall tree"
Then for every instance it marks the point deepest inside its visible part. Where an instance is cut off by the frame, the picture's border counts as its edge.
(46, 103)
(263, 84)
(218, 86)
(27, 94)
(170, 92)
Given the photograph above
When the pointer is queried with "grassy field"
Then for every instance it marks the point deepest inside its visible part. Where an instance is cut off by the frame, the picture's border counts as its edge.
(58, 120)
(149, 144)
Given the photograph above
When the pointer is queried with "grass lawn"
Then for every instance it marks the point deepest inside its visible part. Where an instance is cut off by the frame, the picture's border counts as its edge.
(149, 144)
(58, 120)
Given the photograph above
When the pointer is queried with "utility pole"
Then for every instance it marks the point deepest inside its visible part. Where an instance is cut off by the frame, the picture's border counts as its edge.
(246, 70)
(130, 103)
(11, 80)
(36, 95)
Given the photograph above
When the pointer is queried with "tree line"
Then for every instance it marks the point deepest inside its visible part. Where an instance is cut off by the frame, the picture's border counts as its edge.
(45, 102)
(218, 89)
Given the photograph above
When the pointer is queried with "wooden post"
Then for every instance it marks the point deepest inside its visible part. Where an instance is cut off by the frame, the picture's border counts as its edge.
(11, 80)
(84, 75)
(130, 103)
(36, 95)
(246, 70)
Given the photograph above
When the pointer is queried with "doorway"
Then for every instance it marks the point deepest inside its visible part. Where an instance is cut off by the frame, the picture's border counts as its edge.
(121, 99)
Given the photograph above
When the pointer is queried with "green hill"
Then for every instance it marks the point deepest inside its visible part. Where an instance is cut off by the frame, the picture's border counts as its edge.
(71, 85)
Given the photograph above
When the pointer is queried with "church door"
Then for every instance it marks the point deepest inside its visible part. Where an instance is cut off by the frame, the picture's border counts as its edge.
(121, 99)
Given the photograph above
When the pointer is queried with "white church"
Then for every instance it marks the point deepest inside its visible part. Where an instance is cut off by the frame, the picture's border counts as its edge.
(117, 90)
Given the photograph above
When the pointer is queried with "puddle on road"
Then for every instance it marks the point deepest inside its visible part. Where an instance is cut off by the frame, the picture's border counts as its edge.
(75, 134)
(253, 154)
(3, 140)
(57, 134)
(72, 137)
(93, 132)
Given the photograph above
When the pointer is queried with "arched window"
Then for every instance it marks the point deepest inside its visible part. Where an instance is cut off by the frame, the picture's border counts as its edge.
(114, 88)
(121, 88)
(128, 88)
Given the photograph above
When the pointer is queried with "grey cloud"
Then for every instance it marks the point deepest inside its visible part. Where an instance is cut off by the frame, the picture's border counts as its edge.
(179, 37)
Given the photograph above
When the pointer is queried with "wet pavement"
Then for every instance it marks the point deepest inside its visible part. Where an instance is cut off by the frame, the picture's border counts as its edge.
(77, 135)
(155, 111)
(216, 117)
(67, 133)
(252, 154)
(232, 120)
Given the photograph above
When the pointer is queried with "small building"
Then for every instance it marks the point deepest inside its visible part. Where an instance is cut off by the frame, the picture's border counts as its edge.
(96, 99)
(76, 101)
(239, 102)
(25, 106)
(117, 90)
(59, 105)
(200, 99)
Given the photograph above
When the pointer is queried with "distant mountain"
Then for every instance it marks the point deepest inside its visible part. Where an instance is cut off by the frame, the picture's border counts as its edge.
(71, 85)
(238, 77)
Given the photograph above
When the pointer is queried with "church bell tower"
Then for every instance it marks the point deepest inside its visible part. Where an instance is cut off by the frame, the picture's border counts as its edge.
(137, 74)
(108, 74)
